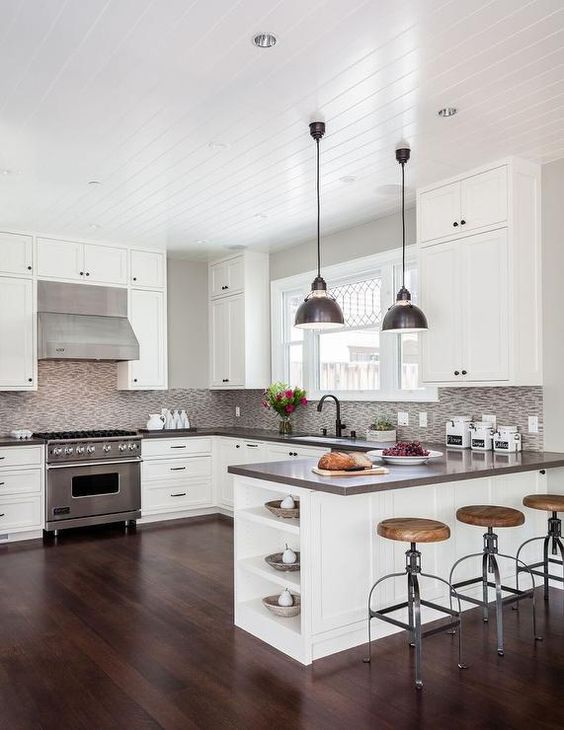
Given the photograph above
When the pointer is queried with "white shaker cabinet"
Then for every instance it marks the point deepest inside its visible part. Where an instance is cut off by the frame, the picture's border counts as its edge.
(147, 314)
(18, 364)
(481, 291)
(466, 300)
(16, 254)
(463, 206)
(239, 323)
(74, 261)
(231, 452)
(147, 269)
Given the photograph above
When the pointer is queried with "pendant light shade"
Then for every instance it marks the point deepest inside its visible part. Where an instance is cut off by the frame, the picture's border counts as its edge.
(404, 317)
(319, 310)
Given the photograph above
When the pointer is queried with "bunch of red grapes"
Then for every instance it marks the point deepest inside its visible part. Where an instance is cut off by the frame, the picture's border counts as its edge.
(406, 448)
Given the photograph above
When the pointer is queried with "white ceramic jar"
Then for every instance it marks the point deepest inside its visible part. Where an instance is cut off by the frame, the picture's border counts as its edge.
(155, 422)
(481, 435)
(507, 440)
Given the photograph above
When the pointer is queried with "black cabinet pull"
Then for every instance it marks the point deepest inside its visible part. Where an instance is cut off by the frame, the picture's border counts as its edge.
(463, 223)
(2, 457)
(225, 380)
(179, 447)
(252, 446)
(457, 372)
(455, 224)
(177, 468)
(2, 484)
(179, 494)
(3, 514)
(465, 372)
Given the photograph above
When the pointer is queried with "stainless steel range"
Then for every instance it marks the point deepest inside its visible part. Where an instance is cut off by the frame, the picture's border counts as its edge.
(93, 477)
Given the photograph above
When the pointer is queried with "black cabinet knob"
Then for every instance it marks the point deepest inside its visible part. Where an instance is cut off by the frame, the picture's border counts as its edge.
(87, 273)
(455, 224)
(462, 223)
(29, 268)
(456, 372)
(237, 446)
(464, 372)
(82, 273)
(134, 380)
(30, 380)
(134, 278)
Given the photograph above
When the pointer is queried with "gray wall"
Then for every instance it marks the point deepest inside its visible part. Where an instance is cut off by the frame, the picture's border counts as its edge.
(553, 322)
(187, 324)
(373, 237)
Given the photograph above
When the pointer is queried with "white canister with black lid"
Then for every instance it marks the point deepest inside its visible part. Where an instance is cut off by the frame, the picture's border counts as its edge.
(481, 435)
(507, 440)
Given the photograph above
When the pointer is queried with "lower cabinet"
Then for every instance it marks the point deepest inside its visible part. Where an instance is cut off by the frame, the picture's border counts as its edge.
(283, 452)
(21, 492)
(229, 453)
(176, 476)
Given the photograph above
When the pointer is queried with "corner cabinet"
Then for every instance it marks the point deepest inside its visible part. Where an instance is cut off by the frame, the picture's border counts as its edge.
(481, 289)
(239, 322)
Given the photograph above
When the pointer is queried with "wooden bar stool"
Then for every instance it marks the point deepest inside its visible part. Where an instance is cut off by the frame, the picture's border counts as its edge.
(553, 503)
(414, 530)
(491, 516)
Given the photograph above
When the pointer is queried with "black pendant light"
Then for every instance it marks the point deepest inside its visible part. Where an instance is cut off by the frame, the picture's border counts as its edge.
(319, 310)
(404, 316)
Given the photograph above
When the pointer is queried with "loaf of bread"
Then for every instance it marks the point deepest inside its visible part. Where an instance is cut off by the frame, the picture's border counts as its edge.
(361, 459)
(336, 461)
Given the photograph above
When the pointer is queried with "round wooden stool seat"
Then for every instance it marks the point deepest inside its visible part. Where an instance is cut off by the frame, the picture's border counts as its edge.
(546, 502)
(489, 515)
(413, 529)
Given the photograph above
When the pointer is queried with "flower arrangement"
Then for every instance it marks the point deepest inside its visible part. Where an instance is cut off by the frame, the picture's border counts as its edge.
(284, 400)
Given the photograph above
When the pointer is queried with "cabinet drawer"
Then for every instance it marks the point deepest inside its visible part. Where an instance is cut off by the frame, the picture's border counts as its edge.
(20, 456)
(175, 447)
(20, 482)
(177, 497)
(18, 513)
(176, 469)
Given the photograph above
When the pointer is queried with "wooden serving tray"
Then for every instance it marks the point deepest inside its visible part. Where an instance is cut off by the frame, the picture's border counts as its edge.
(373, 471)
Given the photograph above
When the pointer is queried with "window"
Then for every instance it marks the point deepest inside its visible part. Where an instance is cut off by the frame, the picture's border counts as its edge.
(357, 362)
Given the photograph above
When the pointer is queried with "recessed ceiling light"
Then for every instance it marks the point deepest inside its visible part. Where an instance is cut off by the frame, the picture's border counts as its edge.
(348, 179)
(94, 182)
(7, 172)
(265, 40)
(94, 226)
(236, 247)
(447, 111)
(201, 241)
(218, 145)
(260, 216)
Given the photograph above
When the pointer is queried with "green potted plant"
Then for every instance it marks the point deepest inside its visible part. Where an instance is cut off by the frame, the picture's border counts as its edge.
(284, 400)
(382, 429)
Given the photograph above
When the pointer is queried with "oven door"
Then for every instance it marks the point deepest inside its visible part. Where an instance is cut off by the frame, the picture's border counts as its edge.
(89, 490)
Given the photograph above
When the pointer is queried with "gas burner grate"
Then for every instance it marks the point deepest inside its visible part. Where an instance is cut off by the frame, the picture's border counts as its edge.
(86, 434)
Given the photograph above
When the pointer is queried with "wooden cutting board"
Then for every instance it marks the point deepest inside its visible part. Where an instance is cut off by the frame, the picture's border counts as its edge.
(371, 471)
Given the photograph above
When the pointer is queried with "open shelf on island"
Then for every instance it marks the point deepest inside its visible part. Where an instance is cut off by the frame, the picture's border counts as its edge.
(258, 566)
(261, 617)
(263, 516)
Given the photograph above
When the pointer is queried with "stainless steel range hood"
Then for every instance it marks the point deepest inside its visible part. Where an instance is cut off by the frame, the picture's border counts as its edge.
(83, 322)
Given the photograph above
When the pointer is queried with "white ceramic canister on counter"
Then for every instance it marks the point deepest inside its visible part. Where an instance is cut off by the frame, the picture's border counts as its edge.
(457, 432)
(481, 435)
(507, 440)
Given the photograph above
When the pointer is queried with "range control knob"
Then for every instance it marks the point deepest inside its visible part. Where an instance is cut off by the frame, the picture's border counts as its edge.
(122, 447)
(80, 449)
(57, 451)
(107, 447)
(132, 447)
(68, 449)
(90, 449)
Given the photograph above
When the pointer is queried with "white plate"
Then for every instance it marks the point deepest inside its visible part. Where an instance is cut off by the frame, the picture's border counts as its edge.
(404, 460)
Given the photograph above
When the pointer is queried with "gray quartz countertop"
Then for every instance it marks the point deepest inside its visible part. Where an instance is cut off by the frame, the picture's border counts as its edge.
(452, 466)
(261, 434)
(9, 441)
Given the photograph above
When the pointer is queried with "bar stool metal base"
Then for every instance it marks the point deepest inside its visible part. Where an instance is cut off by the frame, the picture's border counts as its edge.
(413, 605)
(553, 536)
(490, 566)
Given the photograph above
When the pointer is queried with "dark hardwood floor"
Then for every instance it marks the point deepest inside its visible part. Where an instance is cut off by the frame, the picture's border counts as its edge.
(113, 630)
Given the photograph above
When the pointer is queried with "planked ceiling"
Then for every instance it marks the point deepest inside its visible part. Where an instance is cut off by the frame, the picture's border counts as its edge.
(200, 141)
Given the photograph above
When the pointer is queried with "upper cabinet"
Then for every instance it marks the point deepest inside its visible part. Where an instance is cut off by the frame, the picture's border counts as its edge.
(481, 290)
(239, 321)
(463, 206)
(74, 261)
(147, 269)
(16, 254)
(227, 277)
(18, 364)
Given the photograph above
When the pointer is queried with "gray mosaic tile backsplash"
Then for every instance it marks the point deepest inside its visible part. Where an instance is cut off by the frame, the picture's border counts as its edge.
(83, 395)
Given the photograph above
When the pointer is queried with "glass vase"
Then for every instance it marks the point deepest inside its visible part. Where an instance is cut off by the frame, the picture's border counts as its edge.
(285, 426)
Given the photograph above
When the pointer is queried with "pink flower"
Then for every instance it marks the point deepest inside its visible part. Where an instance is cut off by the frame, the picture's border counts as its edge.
(290, 408)
(303, 402)
(278, 396)
(289, 394)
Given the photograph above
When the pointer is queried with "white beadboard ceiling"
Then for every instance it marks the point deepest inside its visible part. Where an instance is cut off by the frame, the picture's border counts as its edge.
(138, 94)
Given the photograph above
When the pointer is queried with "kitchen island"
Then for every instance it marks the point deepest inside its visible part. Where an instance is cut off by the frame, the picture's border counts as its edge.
(340, 554)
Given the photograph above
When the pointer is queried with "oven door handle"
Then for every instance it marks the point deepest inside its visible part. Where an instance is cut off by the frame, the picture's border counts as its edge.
(93, 463)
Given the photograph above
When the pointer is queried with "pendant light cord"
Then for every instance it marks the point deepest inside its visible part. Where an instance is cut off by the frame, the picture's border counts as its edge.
(403, 223)
(318, 216)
